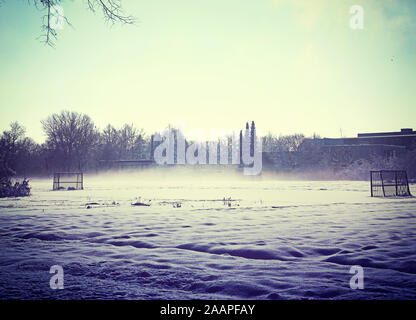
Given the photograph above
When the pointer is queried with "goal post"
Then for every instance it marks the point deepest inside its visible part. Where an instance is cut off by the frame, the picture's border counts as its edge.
(68, 181)
(389, 183)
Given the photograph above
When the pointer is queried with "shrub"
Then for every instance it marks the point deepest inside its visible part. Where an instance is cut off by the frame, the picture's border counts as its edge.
(8, 189)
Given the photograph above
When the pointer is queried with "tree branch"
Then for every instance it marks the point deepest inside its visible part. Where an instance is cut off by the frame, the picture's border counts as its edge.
(112, 12)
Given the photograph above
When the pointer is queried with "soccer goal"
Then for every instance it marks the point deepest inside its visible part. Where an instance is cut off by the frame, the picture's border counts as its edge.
(389, 183)
(68, 181)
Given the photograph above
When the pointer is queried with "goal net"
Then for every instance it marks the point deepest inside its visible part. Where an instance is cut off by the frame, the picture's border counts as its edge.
(389, 183)
(68, 181)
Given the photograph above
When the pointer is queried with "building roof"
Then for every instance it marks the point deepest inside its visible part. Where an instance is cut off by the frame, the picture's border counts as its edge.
(403, 132)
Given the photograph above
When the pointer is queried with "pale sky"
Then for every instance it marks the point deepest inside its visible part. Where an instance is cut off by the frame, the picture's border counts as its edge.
(293, 66)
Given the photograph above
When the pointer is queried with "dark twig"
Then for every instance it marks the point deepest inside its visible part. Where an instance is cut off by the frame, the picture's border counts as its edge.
(112, 12)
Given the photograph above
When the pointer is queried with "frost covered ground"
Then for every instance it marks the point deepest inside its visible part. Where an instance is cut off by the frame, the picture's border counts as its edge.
(277, 240)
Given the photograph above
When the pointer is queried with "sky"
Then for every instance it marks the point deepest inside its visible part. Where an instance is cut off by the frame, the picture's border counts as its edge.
(292, 66)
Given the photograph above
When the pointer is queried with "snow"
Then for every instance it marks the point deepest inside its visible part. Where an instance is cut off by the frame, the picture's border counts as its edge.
(274, 240)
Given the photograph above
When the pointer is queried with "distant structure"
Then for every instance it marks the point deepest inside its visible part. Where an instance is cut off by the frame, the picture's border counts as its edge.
(130, 163)
(124, 164)
(142, 163)
(385, 144)
(341, 152)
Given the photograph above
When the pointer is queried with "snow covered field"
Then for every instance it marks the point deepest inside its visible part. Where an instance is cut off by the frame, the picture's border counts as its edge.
(275, 240)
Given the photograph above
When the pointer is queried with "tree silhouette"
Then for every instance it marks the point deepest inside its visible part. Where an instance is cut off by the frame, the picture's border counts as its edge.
(111, 10)
(71, 137)
(252, 138)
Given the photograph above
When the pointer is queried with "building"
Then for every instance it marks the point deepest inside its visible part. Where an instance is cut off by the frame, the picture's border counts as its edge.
(365, 145)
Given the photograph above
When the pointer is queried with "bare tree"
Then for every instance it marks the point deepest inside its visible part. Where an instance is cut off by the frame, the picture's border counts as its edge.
(123, 144)
(112, 11)
(10, 142)
(292, 142)
(132, 141)
(72, 137)
(109, 144)
(289, 143)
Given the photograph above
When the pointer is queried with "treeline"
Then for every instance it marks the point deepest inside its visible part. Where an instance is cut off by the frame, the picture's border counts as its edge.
(73, 143)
